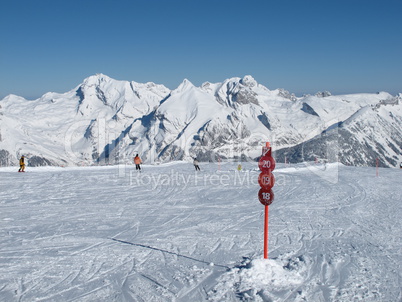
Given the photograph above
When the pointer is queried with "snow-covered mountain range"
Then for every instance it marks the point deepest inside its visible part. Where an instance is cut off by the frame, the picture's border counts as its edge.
(104, 120)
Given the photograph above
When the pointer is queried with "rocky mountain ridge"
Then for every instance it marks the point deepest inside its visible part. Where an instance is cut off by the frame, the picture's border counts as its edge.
(105, 121)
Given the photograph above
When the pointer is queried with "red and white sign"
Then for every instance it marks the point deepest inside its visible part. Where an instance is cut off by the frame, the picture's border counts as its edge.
(266, 151)
(266, 180)
(266, 163)
(266, 197)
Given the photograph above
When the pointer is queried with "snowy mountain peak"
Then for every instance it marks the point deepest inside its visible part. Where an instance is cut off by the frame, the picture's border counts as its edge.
(185, 85)
(12, 98)
(248, 81)
(97, 79)
(236, 91)
(323, 94)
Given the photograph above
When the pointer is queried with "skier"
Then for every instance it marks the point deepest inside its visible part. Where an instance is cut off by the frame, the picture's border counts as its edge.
(137, 161)
(239, 168)
(22, 164)
(197, 167)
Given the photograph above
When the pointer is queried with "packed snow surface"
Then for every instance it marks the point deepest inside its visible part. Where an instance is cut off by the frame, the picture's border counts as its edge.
(171, 234)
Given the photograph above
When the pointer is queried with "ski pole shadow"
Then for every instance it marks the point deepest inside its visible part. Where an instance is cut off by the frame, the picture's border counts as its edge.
(169, 252)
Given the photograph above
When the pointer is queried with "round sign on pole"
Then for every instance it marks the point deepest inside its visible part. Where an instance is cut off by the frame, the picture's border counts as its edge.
(266, 180)
(266, 163)
(266, 196)
(265, 151)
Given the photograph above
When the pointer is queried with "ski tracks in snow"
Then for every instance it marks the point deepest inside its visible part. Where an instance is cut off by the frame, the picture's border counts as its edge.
(199, 240)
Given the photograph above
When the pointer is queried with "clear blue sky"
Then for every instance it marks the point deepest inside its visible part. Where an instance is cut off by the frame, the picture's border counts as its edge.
(303, 46)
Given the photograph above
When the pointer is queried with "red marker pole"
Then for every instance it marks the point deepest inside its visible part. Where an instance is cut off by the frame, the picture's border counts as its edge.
(266, 233)
(266, 181)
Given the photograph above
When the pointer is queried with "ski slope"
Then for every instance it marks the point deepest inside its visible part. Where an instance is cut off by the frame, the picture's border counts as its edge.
(170, 234)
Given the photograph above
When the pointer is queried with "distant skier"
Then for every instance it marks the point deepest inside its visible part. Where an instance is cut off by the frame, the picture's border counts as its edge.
(239, 168)
(196, 166)
(22, 164)
(137, 161)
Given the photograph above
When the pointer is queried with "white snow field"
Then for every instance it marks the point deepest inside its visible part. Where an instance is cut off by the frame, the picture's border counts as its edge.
(170, 234)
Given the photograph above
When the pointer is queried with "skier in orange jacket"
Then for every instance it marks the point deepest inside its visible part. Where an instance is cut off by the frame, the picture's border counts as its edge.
(22, 164)
(137, 161)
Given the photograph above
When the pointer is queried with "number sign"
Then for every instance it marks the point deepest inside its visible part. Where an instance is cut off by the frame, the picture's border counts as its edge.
(266, 163)
(266, 197)
(266, 180)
